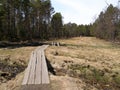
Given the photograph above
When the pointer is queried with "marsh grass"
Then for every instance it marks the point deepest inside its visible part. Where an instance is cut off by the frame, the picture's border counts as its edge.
(117, 80)
(13, 61)
(95, 76)
(94, 60)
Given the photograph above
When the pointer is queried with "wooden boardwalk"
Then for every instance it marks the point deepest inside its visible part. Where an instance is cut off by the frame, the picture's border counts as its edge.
(36, 75)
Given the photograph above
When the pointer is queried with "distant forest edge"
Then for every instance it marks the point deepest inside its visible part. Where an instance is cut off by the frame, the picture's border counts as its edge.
(22, 20)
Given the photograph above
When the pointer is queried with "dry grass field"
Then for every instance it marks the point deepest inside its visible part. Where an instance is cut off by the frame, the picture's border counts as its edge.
(13, 62)
(85, 63)
(81, 63)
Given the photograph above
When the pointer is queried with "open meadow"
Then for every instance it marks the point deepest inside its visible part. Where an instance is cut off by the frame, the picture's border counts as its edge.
(80, 63)
(85, 63)
(13, 62)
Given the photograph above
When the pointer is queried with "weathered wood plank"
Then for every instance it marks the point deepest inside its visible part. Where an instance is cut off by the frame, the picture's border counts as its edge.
(44, 47)
(31, 79)
(27, 71)
(38, 71)
(45, 77)
(36, 75)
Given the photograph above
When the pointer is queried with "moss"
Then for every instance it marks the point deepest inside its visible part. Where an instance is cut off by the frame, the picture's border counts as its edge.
(117, 80)
(91, 74)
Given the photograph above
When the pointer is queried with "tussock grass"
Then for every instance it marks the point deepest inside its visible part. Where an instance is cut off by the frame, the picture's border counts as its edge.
(13, 62)
(96, 61)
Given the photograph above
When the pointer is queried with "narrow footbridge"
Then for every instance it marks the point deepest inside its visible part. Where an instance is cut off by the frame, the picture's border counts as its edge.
(36, 75)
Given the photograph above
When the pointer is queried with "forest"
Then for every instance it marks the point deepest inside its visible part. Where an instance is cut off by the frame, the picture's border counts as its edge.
(22, 20)
(79, 56)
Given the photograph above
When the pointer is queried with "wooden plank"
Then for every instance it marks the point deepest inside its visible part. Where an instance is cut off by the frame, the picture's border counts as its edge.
(38, 48)
(36, 75)
(38, 71)
(31, 79)
(27, 71)
(45, 77)
(44, 47)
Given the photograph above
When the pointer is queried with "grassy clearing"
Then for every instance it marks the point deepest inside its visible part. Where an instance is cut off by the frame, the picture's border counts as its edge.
(96, 61)
(96, 77)
(19, 54)
(13, 62)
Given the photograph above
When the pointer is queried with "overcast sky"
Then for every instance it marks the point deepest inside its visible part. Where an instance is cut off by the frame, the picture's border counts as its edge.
(81, 11)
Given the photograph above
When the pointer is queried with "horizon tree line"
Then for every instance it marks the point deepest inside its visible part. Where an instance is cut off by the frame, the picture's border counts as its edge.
(22, 20)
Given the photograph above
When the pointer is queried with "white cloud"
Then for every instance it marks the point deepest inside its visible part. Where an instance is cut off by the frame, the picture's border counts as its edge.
(76, 11)
(80, 11)
(74, 5)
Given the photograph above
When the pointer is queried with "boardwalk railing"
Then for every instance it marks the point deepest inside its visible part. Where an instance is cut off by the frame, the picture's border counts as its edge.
(36, 75)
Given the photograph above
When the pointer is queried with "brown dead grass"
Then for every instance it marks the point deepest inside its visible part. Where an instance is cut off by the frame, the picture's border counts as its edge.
(21, 53)
(20, 56)
(88, 50)
(99, 54)
(83, 51)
